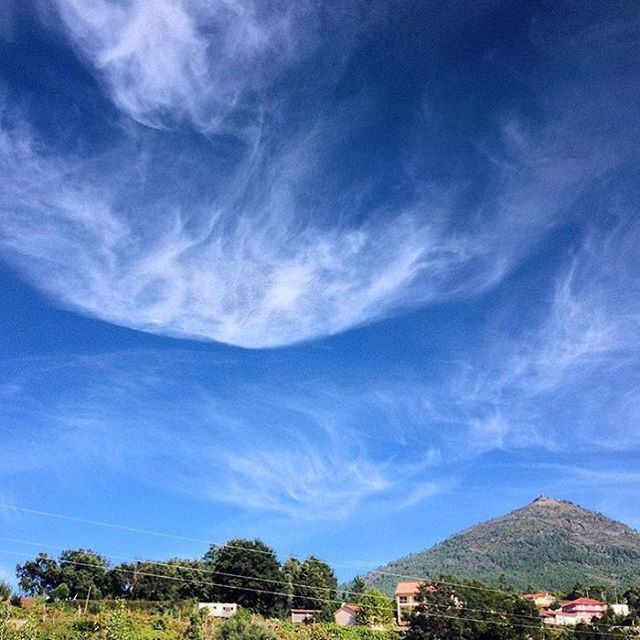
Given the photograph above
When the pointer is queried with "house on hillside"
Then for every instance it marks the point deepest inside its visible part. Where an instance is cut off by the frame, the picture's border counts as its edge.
(302, 616)
(541, 600)
(406, 596)
(219, 609)
(345, 616)
(586, 607)
(581, 610)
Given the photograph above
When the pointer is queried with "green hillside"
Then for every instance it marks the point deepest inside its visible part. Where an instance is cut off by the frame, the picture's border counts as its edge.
(548, 544)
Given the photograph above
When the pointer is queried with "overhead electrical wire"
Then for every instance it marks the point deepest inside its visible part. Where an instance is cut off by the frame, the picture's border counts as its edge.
(330, 600)
(229, 545)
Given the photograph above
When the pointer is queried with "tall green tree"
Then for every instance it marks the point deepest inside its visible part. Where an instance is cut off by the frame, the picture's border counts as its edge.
(84, 572)
(316, 585)
(632, 597)
(5, 591)
(290, 578)
(376, 609)
(248, 573)
(39, 576)
(145, 581)
(355, 590)
(175, 579)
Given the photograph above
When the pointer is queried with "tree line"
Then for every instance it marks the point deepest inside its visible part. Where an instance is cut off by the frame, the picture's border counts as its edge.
(243, 571)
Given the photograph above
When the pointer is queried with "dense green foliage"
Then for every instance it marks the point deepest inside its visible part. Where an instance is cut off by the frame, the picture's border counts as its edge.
(330, 631)
(242, 627)
(312, 584)
(117, 621)
(175, 579)
(119, 625)
(77, 573)
(471, 611)
(548, 544)
(353, 590)
(246, 572)
(194, 630)
(5, 590)
(376, 609)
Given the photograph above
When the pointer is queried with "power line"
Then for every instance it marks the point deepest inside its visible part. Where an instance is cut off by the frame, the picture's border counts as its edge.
(232, 575)
(479, 587)
(187, 580)
(172, 565)
(129, 529)
(330, 600)
(210, 571)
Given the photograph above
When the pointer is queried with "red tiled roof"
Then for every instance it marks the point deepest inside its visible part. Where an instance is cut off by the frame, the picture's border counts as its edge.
(352, 607)
(583, 601)
(407, 588)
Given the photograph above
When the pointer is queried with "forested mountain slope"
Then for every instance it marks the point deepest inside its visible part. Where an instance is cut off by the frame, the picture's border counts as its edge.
(549, 544)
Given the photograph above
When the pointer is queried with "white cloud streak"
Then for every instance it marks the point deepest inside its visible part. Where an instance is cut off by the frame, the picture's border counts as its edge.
(255, 274)
(199, 61)
(241, 445)
(575, 361)
(250, 264)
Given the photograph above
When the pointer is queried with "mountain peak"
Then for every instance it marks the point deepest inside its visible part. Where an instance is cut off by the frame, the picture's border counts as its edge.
(548, 544)
(551, 502)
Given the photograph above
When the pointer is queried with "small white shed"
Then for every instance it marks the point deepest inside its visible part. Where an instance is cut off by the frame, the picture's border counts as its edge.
(219, 609)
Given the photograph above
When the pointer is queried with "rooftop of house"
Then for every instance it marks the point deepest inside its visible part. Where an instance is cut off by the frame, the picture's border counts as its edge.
(407, 588)
(585, 601)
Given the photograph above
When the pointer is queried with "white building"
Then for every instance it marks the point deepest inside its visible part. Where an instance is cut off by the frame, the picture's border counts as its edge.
(300, 616)
(620, 609)
(219, 609)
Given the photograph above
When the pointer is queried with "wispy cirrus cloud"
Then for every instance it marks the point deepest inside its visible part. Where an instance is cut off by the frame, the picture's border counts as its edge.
(276, 247)
(250, 446)
(576, 360)
(204, 62)
(256, 272)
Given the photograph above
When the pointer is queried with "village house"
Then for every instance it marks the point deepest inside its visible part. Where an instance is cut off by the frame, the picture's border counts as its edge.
(406, 596)
(302, 616)
(345, 616)
(581, 610)
(584, 607)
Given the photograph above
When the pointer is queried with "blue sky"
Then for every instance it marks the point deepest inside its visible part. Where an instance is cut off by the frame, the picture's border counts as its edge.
(344, 276)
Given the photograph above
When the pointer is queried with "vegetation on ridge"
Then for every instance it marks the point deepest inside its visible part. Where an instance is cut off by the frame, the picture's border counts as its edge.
(548, 544)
